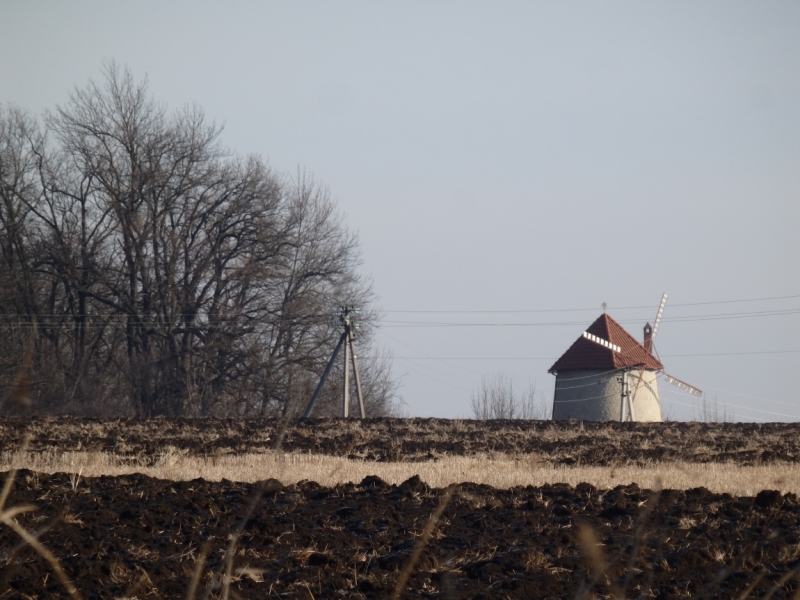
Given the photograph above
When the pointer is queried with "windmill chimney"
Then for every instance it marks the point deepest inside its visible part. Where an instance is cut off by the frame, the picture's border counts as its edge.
(648, 337)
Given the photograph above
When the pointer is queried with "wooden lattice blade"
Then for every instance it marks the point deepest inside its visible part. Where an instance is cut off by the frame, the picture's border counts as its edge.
(601, 341)
(683, 385)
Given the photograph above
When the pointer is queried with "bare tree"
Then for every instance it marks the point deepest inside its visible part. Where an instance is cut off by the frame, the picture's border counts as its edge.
(22, 289)
(497, 399)
(709, 411)
(160, 270)
(534, 405)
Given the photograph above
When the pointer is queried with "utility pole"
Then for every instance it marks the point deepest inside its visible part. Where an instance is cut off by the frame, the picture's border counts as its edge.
(627, 400)
(346, 318)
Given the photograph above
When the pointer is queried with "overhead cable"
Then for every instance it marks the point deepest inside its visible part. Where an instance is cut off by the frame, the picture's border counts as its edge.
(794, 404)
(556, 357)
(589, 309)
(685, 319)
(673, 401)
(758, 410)
(428, 356)
(458, 387)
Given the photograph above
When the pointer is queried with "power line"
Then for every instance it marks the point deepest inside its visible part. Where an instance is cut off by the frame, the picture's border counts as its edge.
(614, 395)
(685, 319)
(693, 406)
(545, 310)
(758, 410)
(403, 361)
(327, 315)
(561, 388)
(458, 387)
(427, 356)
(711, 387)
(735, 353)
(596, 374)
(556, 357)
(94, 321)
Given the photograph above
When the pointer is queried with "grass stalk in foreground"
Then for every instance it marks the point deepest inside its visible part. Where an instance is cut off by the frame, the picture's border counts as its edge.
(423, 540)
(7, 516)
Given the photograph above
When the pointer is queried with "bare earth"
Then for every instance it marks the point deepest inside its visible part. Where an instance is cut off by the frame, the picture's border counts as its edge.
(403, 440)
(333, 509)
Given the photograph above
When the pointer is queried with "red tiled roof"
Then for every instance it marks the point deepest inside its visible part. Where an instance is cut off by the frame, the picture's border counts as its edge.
(586, 354)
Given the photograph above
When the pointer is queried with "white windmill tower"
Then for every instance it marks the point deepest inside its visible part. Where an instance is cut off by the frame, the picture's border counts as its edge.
(607, 375)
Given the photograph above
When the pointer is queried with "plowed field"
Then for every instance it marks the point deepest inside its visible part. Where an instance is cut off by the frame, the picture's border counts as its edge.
(139, 537)
(564, 443)
(133, 536)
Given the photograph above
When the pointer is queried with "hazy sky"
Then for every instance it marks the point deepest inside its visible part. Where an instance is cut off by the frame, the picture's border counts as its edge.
(504, 156)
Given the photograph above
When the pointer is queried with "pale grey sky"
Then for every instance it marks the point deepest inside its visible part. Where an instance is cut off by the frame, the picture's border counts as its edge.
(503, 156)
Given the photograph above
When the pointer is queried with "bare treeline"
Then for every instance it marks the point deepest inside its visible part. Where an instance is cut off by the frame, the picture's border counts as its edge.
(147, 271)
(496, 398)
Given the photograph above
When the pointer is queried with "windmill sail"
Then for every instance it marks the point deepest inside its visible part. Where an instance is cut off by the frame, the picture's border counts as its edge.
(601, 341)
(683, 385)
(659, 314)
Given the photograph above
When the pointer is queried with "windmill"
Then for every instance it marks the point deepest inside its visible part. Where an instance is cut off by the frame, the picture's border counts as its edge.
(608, 375)
(649, 336)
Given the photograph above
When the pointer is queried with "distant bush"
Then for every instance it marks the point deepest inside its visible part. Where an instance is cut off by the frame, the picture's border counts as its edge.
(497, 399)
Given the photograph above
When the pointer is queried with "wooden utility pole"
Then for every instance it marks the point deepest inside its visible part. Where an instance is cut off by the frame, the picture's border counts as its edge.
(627, 401)
(347, 339)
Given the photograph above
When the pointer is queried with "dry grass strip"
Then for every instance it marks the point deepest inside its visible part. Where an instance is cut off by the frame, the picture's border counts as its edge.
(498, 472)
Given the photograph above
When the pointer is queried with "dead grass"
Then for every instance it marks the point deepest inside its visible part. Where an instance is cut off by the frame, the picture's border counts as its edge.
(497, 470)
